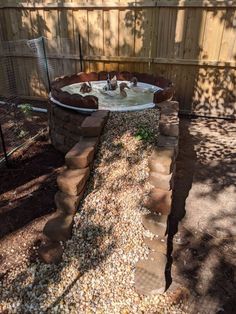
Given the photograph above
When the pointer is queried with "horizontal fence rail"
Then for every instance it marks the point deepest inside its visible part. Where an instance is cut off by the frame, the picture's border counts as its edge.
(119, 4)
(193, 43)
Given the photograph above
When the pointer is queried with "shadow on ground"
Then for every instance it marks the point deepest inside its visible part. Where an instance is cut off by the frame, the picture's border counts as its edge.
(204, 213)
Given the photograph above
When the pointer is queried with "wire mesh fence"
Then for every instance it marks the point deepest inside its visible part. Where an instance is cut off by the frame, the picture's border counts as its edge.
(25, 68)
(28, 67)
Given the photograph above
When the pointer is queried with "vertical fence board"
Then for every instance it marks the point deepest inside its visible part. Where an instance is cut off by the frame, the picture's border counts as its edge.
(126, 32)
(111, 23)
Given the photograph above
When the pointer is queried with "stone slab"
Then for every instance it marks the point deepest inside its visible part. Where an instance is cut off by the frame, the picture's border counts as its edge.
(161, 181)
(81, 155)
(157, 244)
(92, 126)
(72, 182)
(167, 141)
(59, 228)
(51, 253)
(159, 201)
(67, 204)
(169, 107)
(169, 125)
(150, 275)
(155, 223)
(104, 114)
(162, 160)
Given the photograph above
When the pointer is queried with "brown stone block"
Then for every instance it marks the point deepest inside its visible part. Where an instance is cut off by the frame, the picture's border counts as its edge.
(92, 76)
(71, 181)
(159, 201)
(150, 275)
(60, 114)
(83, 77)
(81, 155)
(103, 114)
(92, 126)
(169, 125)
(102, 75)
(51, 253)
(161, 181)
(59, 228)
(169, 107)
(90, 101)
(157, 244)
(124, 76)
(162, 160)
(167, 141)
(68, 204)
(155, 223)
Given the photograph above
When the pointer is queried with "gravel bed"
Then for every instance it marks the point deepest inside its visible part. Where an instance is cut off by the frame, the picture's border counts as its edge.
(97, 272)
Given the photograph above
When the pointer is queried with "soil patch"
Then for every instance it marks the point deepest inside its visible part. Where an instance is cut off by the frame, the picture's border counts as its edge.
(18, 126)
(26, 194)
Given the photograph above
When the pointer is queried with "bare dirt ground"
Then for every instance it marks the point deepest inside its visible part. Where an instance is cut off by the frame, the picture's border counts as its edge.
(26, 195)
(205, 200)
(18, 126)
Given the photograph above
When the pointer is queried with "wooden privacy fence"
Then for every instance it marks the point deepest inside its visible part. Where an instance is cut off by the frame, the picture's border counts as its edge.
(193, 43)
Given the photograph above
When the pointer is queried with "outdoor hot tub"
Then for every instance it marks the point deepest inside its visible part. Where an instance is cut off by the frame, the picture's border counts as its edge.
(69, 106)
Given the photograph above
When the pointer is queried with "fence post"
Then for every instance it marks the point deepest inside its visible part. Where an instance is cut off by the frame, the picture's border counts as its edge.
(46, 64)
(4, 147)
(80, 54)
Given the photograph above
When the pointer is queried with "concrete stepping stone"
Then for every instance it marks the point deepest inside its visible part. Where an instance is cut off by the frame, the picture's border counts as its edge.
(81, 155)
(161, 181)
(156, 224)
(92, 126)
(67, 204)
(72, 182)
(59, 228)
(150, 275)
(159, 201)
(103, 114)
(169, 125)
(162, 160)
(51, 253)
(157, 244)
